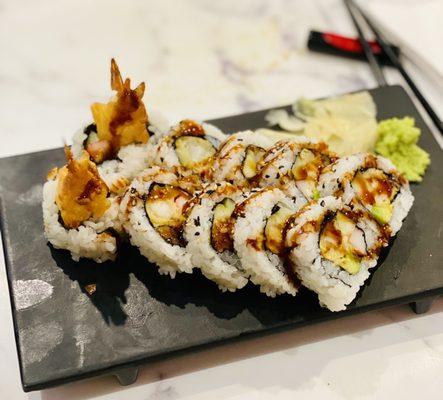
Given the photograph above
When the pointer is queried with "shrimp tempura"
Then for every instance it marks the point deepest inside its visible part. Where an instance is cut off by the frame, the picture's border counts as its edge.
(121, 121)
(81, 193)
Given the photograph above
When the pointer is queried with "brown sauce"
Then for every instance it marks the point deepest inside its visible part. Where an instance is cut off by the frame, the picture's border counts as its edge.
(308, 227)
(172, 235)
(127, 103)
(369, 187)
(91, 187)
(275, 244)
(255, 243)
(188, 127)
(333, 233)
(240, 209)
(312, 169)
(221, 235)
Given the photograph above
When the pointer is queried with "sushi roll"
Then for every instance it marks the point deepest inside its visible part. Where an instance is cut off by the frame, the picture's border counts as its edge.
(190, 146)
(374, 183)
(79, 215)
(238, 157)
(331, 247)
(258, 240)
(153, 212)
(301, 162)
(208, 232)
(122, 139)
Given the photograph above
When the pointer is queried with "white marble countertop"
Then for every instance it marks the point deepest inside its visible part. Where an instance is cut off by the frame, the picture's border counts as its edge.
(206, 59)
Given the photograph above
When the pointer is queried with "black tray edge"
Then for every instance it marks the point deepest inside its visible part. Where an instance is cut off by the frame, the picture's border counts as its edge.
(11, 297)
(249, 335)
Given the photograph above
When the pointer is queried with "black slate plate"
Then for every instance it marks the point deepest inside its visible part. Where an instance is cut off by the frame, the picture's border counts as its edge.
(137, 315)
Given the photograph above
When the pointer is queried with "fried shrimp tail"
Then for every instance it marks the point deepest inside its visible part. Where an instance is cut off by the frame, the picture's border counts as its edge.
(121, 121)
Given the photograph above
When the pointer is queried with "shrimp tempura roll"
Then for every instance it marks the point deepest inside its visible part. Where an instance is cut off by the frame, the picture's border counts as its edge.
(78, 214)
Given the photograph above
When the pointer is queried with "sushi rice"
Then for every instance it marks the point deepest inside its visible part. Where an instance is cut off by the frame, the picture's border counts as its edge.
(218, 263)
(264, 268)
(189, 145)
(299, 162)
(170, 256)
(95, 238)
(237, 159)
(335, 286)
(339, 179)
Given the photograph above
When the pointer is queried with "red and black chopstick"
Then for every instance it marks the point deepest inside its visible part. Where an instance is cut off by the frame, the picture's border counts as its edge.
(373, 63)
(392, 56)
(395, 60)
(331, 43)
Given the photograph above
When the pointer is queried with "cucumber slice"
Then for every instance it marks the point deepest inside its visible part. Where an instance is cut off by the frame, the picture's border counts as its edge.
(221, 226)
(192, 150)
(275, 226)
(253, 155)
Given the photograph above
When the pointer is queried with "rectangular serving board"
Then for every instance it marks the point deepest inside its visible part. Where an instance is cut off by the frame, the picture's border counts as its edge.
(136, 315)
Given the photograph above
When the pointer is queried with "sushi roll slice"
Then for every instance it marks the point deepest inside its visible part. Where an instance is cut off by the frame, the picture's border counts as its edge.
(191, 147)
(301, 162)
(153, 212)
(208, 232)
(122, 139)
(331, 247)
(239, 156)
(78, 213)
(373, 182)
(258, 240)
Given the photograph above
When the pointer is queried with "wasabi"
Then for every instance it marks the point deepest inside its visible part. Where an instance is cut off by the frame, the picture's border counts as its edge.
(397, 140)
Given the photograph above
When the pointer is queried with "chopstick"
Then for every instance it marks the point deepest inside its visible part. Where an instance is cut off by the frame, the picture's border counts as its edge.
(384, 44)
(373, 63)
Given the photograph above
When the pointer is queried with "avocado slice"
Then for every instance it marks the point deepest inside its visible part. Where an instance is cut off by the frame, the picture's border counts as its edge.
(382, 212)
(275, 226)
(253, 155)
(221, 225)
(224, 209)
(193, 150)
(350, 263)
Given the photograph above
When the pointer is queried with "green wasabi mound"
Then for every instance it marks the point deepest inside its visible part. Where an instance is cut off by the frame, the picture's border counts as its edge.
(397, 140)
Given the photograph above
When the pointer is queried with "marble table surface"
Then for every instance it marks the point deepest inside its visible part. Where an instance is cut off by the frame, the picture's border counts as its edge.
(204, 59)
